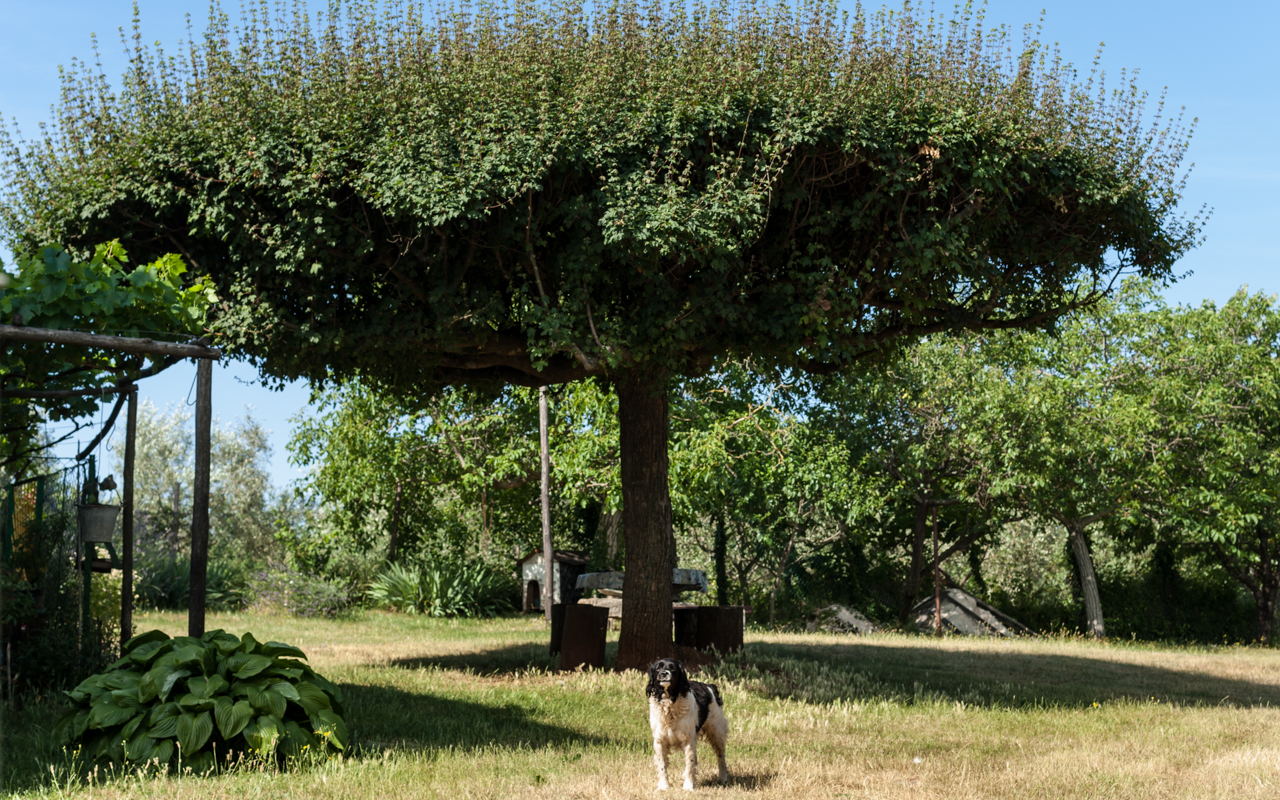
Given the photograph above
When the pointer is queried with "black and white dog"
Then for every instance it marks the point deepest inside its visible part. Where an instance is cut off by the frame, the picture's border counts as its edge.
(680, 710)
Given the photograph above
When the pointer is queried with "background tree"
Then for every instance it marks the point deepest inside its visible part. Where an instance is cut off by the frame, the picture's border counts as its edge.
(1071, 427)
(535, 195)
(243, 502)
(917, 429)
(1216, 391)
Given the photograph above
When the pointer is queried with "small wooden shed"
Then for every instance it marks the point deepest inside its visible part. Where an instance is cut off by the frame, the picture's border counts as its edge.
(567, 565)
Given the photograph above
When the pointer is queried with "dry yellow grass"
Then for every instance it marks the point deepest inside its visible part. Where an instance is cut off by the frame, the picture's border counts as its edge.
(467, 710)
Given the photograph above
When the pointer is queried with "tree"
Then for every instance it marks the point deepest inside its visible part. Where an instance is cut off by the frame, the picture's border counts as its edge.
(534, 195)
(918, 431)
(386, 466)
(1216, 391)
(1072, 427)
(241, 495)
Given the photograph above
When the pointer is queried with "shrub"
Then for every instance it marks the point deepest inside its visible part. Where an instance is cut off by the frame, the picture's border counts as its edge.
(297, 593)
(444, 590)
(164, 582)
(193, 702)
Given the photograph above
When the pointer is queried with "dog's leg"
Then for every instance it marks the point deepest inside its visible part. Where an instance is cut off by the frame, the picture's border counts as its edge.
(660, 761)
(716, 734)
(690, 762)
(717, 744)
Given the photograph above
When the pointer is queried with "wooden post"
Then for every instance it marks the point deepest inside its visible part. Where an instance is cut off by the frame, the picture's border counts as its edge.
(200, 499)
(548, 560)
(126, 525)
(937, 580)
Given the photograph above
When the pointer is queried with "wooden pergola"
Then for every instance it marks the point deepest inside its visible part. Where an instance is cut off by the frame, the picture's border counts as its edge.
(128, 395)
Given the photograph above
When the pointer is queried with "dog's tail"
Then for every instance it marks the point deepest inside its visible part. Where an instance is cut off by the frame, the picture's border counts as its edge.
(715, 692)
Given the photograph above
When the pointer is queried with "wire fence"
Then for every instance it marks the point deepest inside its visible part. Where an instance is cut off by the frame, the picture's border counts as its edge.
(54, 628)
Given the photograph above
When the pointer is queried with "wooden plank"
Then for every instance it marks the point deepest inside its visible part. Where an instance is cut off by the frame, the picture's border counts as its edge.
(200, 500)
(125, 344)
(126, 584)
(548, 555)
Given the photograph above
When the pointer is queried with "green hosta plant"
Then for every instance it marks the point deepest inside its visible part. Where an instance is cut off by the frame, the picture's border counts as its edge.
(198, 702)
(443, 590)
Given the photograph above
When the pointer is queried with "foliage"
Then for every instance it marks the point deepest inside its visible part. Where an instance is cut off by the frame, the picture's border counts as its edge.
(537, 193)
(279, 587)
(55, 289)
(163, 581)
(1215, 389)
(241, 496)
(197, 703)
(450, 474)
(465, 589)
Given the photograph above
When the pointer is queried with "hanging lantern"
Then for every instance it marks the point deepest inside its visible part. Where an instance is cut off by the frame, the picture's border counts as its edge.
(97, 522)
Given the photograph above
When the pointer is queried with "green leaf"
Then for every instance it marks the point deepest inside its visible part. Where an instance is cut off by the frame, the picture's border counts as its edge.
(311, 698)
(263, 734)
(165, 728)
(170, 680)
(296, 738)
(192, 702)
(281, 649)
(329, 727)
(232, 717)
(145, 638)
(243, 665)
(268, 701)
(106, 715)
(193, 731)
(163, 751)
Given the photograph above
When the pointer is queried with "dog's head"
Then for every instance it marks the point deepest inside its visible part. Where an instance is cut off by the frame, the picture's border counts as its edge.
(667, 678)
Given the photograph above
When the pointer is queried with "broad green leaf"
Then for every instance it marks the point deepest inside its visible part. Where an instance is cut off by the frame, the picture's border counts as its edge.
(280, 649)
(244, 665)
(145, 638)
(329, 727)
(163, 751)
(165, 728)
(311, 698)
(232, 717)
(171, 680)
(192, 702)
(106, 715)
(263, 734)
(268, 701)
(296, 738)
(193, 731)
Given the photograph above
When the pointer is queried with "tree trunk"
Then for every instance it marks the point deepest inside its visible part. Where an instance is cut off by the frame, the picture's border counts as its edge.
(395, 526)
(720, 553)
(646, 508)
(777, 579)
(919, 531)
(1088, 581)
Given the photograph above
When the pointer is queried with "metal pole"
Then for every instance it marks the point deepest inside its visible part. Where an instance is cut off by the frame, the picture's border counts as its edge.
(937, 580)
(548, 561)
(126, 526)
(200, 499)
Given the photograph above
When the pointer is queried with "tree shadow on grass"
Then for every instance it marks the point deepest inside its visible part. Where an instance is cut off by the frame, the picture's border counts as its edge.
(823, 672)
(498, 660)
(387, 717)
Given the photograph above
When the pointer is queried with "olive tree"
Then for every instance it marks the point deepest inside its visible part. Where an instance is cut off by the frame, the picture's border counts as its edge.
(534, 194)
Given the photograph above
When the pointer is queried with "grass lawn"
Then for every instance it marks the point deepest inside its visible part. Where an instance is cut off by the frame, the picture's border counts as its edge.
(462, 709)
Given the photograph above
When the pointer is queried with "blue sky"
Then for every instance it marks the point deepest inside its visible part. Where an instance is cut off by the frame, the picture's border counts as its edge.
(1217, 59)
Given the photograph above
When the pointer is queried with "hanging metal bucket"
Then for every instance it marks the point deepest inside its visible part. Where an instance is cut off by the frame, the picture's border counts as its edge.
(98, 522)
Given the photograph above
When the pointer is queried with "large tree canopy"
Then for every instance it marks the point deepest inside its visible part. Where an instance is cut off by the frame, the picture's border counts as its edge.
(533, 193)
